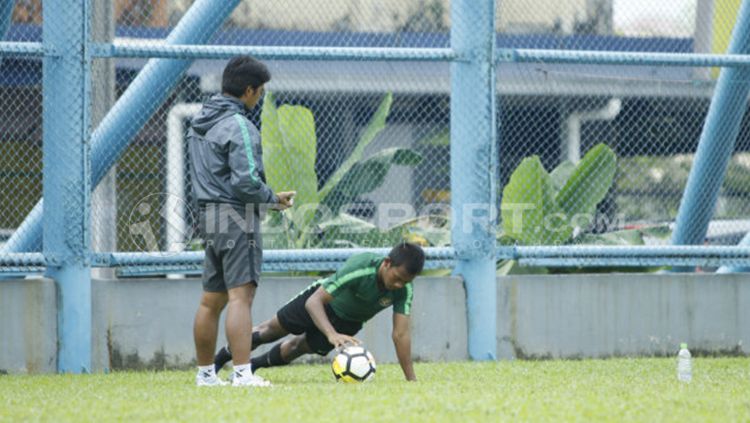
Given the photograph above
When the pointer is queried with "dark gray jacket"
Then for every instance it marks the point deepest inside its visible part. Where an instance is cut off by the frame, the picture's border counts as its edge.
(225, 155)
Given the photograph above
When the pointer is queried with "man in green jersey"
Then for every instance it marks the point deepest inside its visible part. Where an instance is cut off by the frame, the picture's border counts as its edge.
(330, 311)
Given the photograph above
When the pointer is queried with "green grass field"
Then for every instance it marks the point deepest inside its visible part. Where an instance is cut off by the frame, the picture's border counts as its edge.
(588, 390)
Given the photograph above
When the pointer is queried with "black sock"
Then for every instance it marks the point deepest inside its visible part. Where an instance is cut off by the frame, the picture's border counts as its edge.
(269, 359)
(256, 341)
(221, 358)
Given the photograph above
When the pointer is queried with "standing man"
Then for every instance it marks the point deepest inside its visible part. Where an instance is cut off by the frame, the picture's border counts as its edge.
(229, 187)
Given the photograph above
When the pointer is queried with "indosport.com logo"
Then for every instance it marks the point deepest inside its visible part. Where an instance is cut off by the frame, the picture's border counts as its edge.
(163, 222)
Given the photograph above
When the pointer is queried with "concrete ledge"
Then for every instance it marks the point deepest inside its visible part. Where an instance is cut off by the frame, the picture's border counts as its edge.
(572, 316)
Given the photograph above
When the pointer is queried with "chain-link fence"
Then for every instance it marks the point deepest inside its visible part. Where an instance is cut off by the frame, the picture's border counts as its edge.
(21, 117)
(588, 154)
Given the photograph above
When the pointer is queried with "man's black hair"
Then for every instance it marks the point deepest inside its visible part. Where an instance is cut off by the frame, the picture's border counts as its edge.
(242, 72)
(409, 255)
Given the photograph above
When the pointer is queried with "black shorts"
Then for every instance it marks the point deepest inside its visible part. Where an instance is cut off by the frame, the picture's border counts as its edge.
(233, 246)
(295, 319)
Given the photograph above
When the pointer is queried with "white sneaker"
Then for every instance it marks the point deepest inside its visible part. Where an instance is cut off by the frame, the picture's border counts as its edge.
(209, 380)
(252, 380)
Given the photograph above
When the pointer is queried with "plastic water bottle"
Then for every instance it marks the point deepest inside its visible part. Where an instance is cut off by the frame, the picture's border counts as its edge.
(684, 365)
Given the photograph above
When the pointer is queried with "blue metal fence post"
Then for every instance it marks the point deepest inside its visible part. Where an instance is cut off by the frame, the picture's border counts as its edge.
(474, 167)
(6, 13)
(66, 177)
(717, 141)
(135, 107)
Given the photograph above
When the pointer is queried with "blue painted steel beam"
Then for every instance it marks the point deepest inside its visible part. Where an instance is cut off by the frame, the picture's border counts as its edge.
(66, 182)
(6, 14)
(273, 53)
(134, 108)
(585, 57)
(474, 158)
(22, 259)
(269, 256)
(21, 49)
(717, 141)
(655, 261)
(574, 251)
(734, 258)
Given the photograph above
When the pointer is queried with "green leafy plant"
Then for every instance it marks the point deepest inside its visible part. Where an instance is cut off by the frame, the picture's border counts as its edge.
(290, 150)
(540, 208)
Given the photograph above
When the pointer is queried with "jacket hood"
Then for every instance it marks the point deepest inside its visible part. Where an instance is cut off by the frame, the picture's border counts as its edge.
(214, 109)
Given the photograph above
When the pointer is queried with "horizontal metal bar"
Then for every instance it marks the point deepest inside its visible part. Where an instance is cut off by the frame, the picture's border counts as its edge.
(633, 262)
(576, 251)
(587, 57)
(21, 49)
(319, 266)
(19, 272)
(437, 258)
(190, 51)
(22, 259)
(269, 256)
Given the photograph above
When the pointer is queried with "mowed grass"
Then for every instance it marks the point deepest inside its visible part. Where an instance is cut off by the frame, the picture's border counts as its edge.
(585, 390)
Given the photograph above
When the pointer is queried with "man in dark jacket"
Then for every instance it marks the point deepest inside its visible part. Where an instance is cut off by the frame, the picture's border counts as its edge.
(230, 189)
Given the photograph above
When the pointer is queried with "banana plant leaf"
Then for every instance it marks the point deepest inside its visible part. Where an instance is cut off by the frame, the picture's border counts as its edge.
(367, 175)
(377, 123)
(346, 231)
(562, 173)
(589, 182)
(527, 205)
(289, 149)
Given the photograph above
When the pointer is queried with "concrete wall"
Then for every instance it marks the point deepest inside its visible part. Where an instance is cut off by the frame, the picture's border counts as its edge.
(148, 323)
(28, 326)
(608, 315)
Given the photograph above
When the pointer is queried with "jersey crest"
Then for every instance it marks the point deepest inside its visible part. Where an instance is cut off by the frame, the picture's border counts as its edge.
(385, 301)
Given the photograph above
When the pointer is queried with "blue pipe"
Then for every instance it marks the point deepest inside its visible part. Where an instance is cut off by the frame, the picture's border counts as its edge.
(474, 167)
(21, 49)
(577, 251)
(580, 57)
(717, 141)
(269, 256)
(430, 54)
(273, 53)
(66, 87)
(6, 15)
(618, 255)
(745, 242)
(655, 261)
(734, 259)
(144, 95)
(22, 259)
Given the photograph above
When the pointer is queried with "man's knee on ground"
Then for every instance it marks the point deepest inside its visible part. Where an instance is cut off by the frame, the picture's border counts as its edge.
(298, 346)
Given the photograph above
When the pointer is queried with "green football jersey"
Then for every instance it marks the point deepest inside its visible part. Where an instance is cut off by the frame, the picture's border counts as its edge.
(355, 291)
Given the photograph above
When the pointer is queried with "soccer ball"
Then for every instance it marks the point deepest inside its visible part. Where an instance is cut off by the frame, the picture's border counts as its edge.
(353, 364)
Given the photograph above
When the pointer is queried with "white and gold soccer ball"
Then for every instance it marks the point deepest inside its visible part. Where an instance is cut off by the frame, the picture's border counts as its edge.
(353, 364)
